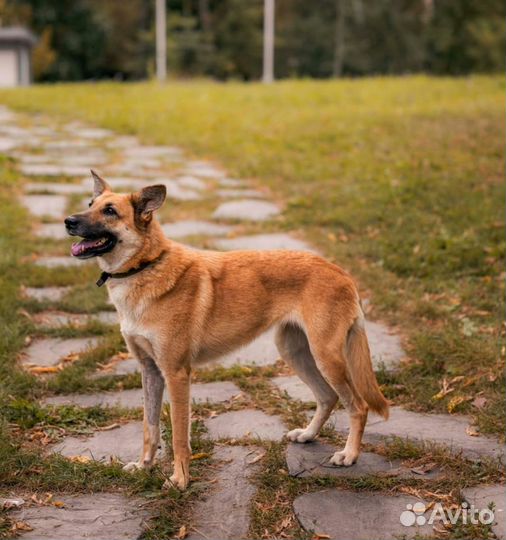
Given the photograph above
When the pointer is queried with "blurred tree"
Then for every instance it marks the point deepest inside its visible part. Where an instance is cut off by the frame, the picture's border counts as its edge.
(223, 38)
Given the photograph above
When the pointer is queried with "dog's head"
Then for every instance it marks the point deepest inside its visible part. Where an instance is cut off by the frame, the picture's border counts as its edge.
(115, 225)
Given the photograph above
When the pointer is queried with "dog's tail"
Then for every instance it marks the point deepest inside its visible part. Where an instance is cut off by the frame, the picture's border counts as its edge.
(359, 364)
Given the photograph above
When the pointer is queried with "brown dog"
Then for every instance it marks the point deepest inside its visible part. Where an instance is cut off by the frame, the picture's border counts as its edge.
(179, 306)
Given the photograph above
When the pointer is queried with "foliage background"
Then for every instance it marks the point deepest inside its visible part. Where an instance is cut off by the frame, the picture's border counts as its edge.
(93, 39)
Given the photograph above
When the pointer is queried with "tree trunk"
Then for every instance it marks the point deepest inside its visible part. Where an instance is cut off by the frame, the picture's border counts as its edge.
(339, 39)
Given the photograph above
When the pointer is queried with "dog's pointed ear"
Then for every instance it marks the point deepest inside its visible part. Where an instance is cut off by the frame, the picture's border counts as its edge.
(99, 184)
(147, 200)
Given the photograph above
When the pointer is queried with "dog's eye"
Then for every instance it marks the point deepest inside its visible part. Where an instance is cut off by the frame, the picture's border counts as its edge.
(109, 211)
(90, 203)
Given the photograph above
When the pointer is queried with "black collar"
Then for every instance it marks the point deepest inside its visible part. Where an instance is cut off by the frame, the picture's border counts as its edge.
(104, 276)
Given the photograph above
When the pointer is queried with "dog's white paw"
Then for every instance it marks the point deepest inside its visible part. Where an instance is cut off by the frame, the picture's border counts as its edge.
(133, 466)
(300, 435)
(343, 458)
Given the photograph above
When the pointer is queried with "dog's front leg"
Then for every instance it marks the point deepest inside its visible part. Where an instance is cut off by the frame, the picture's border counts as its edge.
(152, 386)
(178, 382)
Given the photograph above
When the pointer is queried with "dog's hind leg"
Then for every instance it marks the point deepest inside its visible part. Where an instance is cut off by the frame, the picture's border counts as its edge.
(152, 386)
(329, 353)
(293, 347)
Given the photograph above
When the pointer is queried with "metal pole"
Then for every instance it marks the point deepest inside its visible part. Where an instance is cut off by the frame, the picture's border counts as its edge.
(161, 41)
(268, 67)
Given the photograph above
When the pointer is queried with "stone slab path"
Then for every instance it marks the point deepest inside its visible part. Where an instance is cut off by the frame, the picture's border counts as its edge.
(86, 517)
(51, 351)
(312, 460)
(55, 159)
(443, 429)
(214, 392)
(482, 497)
(340, 514)
(225, 512)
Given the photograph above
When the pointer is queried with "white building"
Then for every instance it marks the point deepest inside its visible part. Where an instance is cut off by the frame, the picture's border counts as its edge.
(15, 56)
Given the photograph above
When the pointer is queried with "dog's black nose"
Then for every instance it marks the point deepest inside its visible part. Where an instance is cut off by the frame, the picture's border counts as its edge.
(71, 222)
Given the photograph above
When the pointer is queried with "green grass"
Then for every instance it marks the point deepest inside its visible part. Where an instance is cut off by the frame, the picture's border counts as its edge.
(397, 179)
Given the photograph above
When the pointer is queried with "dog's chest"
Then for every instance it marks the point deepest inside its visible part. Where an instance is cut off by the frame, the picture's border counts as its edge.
(130, 309)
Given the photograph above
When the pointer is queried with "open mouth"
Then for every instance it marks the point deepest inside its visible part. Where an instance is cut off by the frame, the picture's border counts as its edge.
(93, 247)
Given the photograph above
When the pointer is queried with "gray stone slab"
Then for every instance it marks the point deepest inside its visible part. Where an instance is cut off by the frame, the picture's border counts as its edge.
(117, 183)
(481, 497)
(123, 443)
(66, 145)
(181, 229)
(42, 294)
(45, 205)
(312, 459)
(55, 231)
(48, 169)
(154, 152)
(352, 515)
(58, 319)
(92, 133)
(260, 352)
(245, 423)
(294, 387)
(86, 517)
(31, 158)
(58, 188)
(126, 367)
(263, 242)
(191, 182)
(385, 345)
(232, 491)
(55, 262)
(214, 392)
(177, 192)
(445, 429)
(231, 182)
(7, 144)
(49, 351)
(246, 210)
(204, 170)
(240, 193)
(123, 141)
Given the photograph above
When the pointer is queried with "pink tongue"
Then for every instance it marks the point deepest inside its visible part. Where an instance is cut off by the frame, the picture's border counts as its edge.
(82, 246)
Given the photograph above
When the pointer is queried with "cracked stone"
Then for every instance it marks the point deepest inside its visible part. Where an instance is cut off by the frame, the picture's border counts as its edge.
(232, 490)
(245, 423)
(215, 392)
(482, 496)
(445, 429)
(353, 515)
(41, 294)
(312, 460)
(45, 205)
(50, 351)
(246, 210)
(57, 319)
(180, 229)
(86, 517)
(263, 242)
